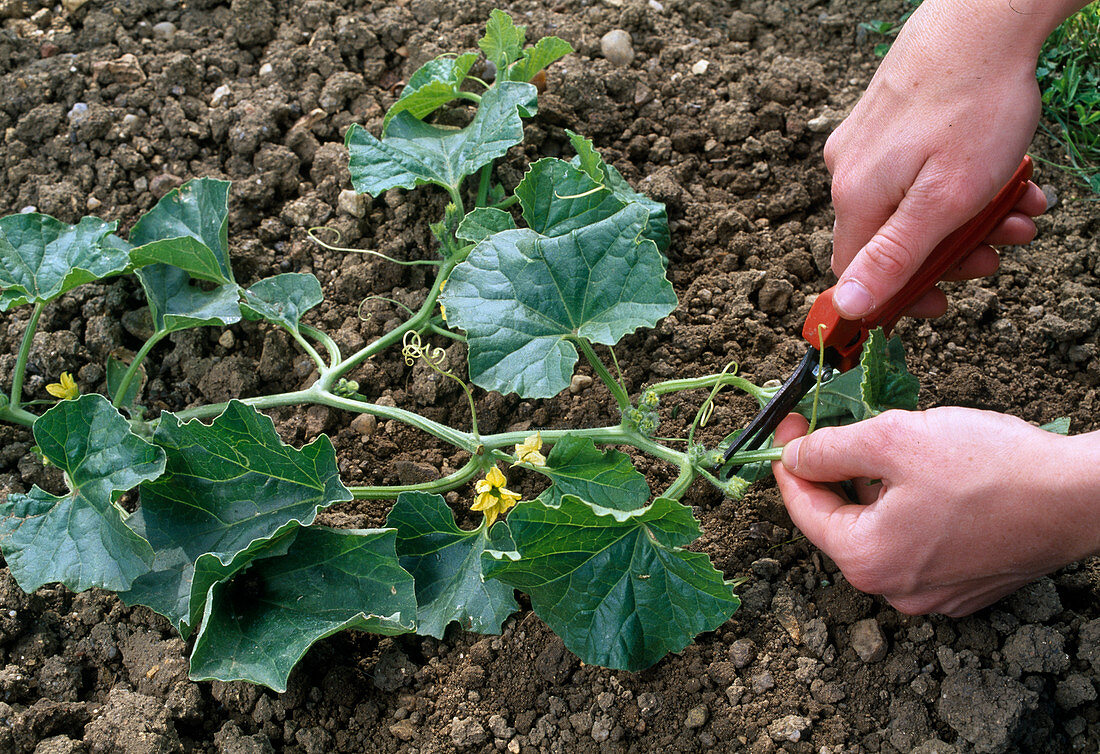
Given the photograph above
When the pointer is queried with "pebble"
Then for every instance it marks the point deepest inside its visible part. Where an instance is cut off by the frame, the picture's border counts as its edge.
(1051, 194)
(826, 122)
(266, 68)
(656, 6)
(579, 383)
(164, 30)
(648, 704)
(365, 424)
(618, 47)
(697, 716)
(78, 113)
(789, 728)
(762, 682)
(701, 67)
(221, 94)
(141, 184)
(93, 204)
(351, 203)
(742, 652)
(868, 641)
(227, 341)
(28, 209)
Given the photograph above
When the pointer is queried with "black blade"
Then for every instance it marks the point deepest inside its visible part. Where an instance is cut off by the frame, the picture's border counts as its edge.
(782, 403)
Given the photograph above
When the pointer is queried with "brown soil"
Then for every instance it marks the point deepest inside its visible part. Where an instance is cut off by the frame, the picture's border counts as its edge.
(260, 92)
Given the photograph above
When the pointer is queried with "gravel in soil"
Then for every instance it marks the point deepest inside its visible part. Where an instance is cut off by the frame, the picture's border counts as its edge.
(718, 109)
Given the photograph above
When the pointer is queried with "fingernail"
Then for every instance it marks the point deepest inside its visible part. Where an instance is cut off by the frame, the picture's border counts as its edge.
(851, 299)
(790, 454)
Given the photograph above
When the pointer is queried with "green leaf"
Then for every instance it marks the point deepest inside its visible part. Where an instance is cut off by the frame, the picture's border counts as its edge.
(657, 227)
(282, 299)
(413, 153)
(41, 258)
(483, 222)
(434, 84)
(445, 562)
(617, 588)
(557, 198)
(176, 304)
(187, 229)
(1059, 426)
(258, 625)
(607, 479)
(116, 369)
(588, 159)
(81, 539)
(546, 51)
(522, 296)
(503, 40)
(228, 489)
(886, 382)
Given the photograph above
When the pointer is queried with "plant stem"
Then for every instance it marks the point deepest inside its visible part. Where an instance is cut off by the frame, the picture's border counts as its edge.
(433, 327)
(17, 416)
(708, 381)
(323, 338)
(127, 378)
(613, 385)
(464, 440)
(680, 485)
(21, 359)
(472, 468)
(483, 184)
(506, 202)
(308, 348)
(744, 457)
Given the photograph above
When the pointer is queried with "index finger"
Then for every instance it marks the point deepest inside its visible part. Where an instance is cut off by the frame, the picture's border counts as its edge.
(826, 518)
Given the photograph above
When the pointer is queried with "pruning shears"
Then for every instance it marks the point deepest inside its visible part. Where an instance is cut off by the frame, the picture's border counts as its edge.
(842, 339)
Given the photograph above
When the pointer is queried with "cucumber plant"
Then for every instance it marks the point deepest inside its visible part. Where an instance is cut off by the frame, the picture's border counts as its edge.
(207, 517)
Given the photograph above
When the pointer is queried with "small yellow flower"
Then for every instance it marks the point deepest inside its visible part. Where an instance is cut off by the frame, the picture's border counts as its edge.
(442, 308)
(65, 388)
(493, 498)
(528, 451)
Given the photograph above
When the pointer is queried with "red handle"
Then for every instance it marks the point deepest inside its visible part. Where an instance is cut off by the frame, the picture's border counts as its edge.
(846, 336)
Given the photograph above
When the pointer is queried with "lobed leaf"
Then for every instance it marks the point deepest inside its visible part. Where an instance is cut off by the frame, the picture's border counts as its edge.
(557, 198)
(282, 299)
(176, 304)
(445, 562)
(546, 51)
(434, 84)
(42, 258)
(615, 586)
(886, 382)
(188, 229)
(607, 479)
(229, 489)
(503, 40)
(81, 539)
(483, 222)
(258, 625)
(522, 296)
(413, 153)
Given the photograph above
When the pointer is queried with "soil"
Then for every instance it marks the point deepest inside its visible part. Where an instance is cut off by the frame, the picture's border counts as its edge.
(106, 106)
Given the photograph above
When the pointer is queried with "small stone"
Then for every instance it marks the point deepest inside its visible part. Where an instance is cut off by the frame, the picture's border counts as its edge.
(164, 30)
(701, 67)
(656, 6)
(227, 340)
(266, 69)
(826, 122)
(220, 95)
(649, 704)
(93, 204)
(1051, 195)
(48, 50)
(467, 733)
(790, 728)
(404, 730)
(601, 728)
(351, 203)
(78, 113)
(28, 209)
(365, 424)
(762, 682)
(618, 47)
(141, 184)
(742, 652)
(163, 183)
(514, 746)
(579, 383)
(868, 641)
(697, 716)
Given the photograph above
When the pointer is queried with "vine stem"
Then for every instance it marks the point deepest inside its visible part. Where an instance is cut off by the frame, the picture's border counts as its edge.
(708, 381)
(444, 484)
(308, 348)
(483, 184)
(131, 370)
(680, 485)
(613, 385)
(21, 359)
(324, 339)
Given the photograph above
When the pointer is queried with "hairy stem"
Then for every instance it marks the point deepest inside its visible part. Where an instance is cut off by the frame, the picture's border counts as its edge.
(613, 385)
(135, 365)
(680, 485)
(324, 339)
(709, 381)
(21, 359)
(444, 484)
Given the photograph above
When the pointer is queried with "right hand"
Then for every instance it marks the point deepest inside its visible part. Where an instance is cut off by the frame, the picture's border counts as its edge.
(940, 129)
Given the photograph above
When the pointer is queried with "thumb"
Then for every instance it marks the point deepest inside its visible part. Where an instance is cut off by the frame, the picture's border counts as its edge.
(931, 209)
(834, 454)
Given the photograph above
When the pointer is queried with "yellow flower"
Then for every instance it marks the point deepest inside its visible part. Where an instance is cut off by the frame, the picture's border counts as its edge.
(493, 498)
(442, 308)
(528, 451)
(65, 388)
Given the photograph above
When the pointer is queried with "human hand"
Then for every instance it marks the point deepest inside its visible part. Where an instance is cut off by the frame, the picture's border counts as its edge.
(940, 129)
(969, 505)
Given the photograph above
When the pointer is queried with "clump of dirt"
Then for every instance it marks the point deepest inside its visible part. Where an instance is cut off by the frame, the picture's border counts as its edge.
(721, 114)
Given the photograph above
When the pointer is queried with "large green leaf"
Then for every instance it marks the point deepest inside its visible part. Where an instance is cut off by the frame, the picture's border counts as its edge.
(534, 59)
(413, 153)
(617, 588)
(607, 479)
(258, 625)
(229, 488)
(81, 539)
(187, 229)
(522, 296)
(282, 299)
(503, 40)
(41, 258)
(434, 84)
(177, 304)
(445, 561)
(557, 198)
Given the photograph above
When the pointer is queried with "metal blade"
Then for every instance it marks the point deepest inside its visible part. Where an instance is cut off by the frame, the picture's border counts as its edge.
(782, 403)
